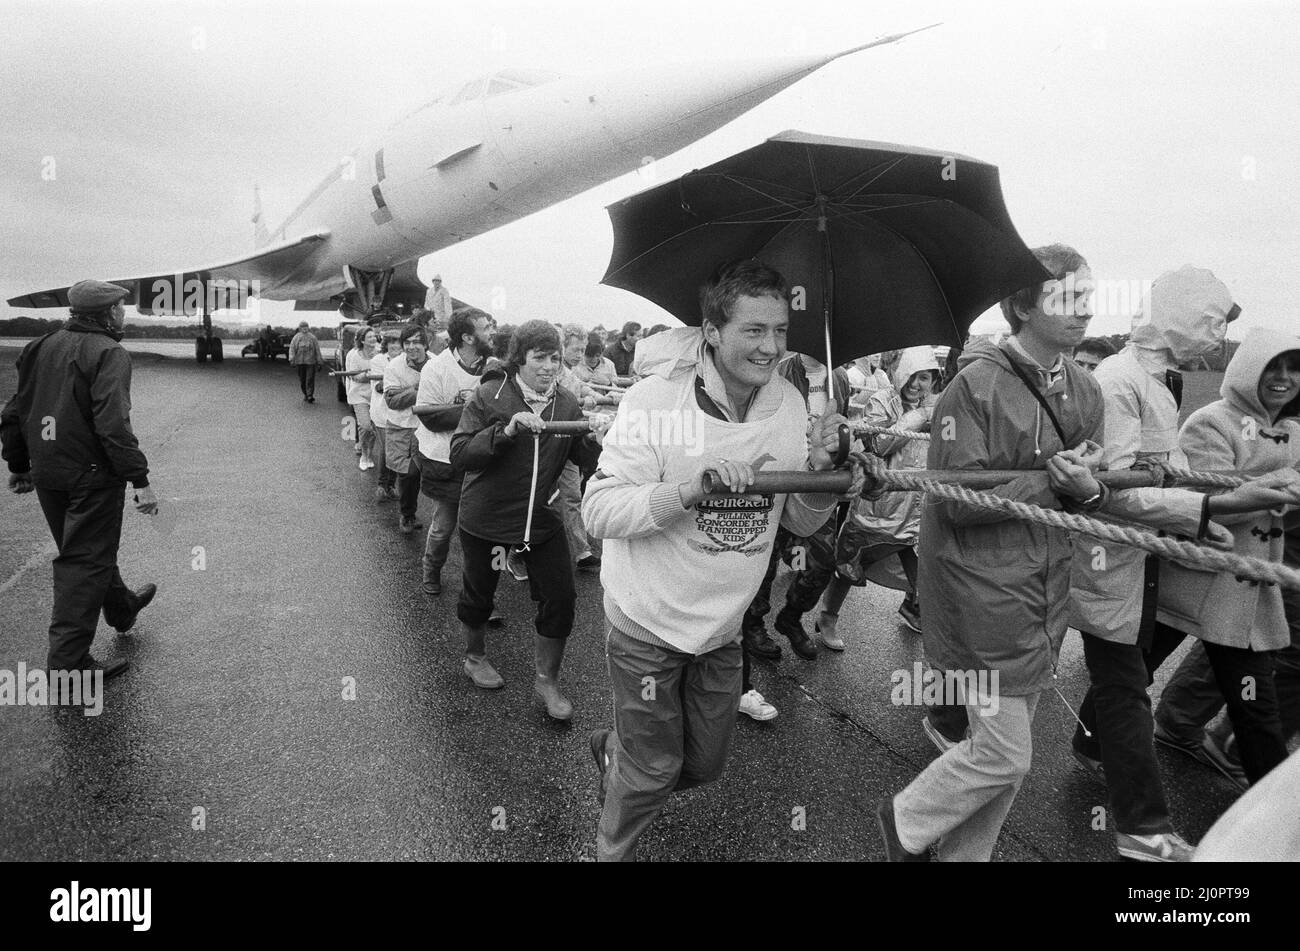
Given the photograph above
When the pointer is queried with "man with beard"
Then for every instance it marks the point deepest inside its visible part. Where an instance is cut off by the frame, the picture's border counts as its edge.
(446, 382)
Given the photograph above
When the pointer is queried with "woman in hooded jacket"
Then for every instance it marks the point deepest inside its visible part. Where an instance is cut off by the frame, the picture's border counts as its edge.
(890, 525)
(1255, 429)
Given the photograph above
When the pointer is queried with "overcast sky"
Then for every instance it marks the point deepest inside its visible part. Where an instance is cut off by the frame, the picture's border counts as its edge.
(1146, 135)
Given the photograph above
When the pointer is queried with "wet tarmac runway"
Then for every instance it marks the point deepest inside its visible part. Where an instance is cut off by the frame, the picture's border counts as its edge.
(279, 579)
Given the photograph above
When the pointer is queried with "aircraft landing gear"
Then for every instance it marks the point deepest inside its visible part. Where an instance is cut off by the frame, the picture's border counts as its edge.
(207, 345)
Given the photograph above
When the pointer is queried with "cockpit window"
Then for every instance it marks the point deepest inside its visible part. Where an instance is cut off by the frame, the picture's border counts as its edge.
(471, 90)
(504, 81)
(529, 77)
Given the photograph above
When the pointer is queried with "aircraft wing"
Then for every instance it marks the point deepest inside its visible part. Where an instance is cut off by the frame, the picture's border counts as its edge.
(168, 292)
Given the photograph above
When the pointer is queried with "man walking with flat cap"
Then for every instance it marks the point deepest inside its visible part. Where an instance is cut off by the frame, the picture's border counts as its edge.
(67, 434)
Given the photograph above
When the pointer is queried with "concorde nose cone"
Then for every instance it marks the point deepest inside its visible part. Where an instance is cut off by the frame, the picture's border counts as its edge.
(657, 111)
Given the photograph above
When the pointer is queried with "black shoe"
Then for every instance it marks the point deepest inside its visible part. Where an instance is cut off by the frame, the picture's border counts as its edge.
(588, 563)
(759, 644)
(1091, 765)
(140, 601)
(598, 741)
(74, 694)
(791, 626)
(311, 399)
(910, 612)
(114, 668)
(433, 586)
(497, 620)
(894, 851)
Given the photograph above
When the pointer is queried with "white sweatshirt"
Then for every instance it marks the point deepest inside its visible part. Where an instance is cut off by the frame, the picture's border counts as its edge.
(683, 578)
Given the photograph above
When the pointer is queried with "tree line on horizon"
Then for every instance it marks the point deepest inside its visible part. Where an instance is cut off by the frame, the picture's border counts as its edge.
(39, 326)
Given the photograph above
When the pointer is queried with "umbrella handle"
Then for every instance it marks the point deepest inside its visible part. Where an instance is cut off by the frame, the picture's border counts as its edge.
(846, 445)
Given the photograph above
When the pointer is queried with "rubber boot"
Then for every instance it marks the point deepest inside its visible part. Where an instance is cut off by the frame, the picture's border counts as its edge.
(826, 631)
(549, 652)
(477, 667)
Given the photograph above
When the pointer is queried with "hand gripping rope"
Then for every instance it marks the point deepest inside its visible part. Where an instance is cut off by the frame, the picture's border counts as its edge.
(961, 485)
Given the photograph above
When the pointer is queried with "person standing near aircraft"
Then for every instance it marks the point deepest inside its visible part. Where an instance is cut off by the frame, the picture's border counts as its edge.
(511, 468)
(679, 565)
(570, 500)
(358, 393)
(438, 303)
(401, 383)
(386, 478)
(994, 590)
(595, 367)
(621, 350)
(304, 353)
(446, 382)
(67, 434)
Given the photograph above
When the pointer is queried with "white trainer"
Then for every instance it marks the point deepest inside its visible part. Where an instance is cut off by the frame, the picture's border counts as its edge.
(1161, 847)
(754, 706)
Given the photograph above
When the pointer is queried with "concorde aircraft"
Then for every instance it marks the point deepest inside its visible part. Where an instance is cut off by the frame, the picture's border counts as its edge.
(482, 154)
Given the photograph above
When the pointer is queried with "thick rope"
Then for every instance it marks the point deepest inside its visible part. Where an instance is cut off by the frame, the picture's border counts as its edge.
(1186, 553)
(886, 431)
(1199, 477)
(1173, 474)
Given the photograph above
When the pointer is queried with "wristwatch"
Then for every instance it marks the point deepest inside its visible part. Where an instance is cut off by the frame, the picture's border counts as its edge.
(1094, 503)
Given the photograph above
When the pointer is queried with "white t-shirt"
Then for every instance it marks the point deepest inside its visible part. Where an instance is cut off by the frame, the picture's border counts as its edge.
(816, 373)
(378, 408)
(443, 380)
(358, 390)
(398, 374)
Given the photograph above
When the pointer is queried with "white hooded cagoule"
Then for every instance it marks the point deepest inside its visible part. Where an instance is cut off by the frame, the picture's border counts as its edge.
(911, 362)
(1187, 313)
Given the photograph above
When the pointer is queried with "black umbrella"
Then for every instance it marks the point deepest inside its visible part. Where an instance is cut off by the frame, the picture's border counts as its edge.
(884, 246)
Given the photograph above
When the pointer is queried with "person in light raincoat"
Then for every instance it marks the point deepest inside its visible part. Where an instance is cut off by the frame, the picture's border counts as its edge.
(994, 589)
(1114, 587)
(1254, 428)
(889, 525)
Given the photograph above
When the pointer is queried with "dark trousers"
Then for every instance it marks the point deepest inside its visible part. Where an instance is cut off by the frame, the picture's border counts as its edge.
(1117, 710)
(550, 581)
(807, 583)
(1253, 711)
(1191, 699)
(408, 488)
(307, 378)
(87, 527)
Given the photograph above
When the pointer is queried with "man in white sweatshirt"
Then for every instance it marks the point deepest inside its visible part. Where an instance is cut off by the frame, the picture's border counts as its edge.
(680, 566)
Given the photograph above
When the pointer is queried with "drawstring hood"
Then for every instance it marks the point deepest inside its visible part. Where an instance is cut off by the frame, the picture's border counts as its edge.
(1240, 387)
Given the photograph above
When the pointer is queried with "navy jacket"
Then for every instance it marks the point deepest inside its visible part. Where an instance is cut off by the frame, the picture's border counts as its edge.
(70, 421)
(499, 468)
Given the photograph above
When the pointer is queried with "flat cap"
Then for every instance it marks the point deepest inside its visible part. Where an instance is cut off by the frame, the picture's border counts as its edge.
(95, 294)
